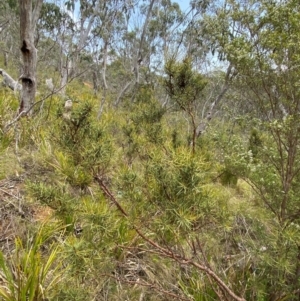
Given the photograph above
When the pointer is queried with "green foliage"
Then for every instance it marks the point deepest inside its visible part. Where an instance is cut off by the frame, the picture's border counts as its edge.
(50, 16)
(230, 204)
(8, 105)
(29, 273)
(185, 88)
(147, 115)
(255, 142)
(85, 147)
(57, 198)
(261, 169)
(228, 178)
(183, 85)
(143, 125)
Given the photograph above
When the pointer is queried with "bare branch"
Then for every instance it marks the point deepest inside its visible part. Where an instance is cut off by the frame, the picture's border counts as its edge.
(36, 14)
(10, 82)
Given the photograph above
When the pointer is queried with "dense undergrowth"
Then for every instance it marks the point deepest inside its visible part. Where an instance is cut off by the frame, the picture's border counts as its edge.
(124, 188)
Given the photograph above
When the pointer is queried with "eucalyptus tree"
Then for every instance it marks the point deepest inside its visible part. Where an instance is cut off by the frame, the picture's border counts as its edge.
(164, 34)
(137, 38)
(72, 45)
(151, 34)
(28, 17)
(109, 25)
(164, 26)
(28, 21)
(86, 35)
(46, 40)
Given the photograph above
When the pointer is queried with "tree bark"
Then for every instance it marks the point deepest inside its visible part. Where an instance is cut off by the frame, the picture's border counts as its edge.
(28, 19)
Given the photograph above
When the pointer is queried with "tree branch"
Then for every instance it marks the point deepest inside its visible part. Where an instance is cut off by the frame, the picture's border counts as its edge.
(36, 14)
(10, 82)
(182, 260)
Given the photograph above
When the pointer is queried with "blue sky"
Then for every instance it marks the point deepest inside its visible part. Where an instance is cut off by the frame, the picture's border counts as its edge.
(184, 4)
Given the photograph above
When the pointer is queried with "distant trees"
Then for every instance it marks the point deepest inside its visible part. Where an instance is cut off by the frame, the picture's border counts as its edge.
(162, 75)
(9, 32)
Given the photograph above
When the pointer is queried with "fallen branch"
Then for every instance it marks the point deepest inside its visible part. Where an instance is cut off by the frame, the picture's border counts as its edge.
(10, 82)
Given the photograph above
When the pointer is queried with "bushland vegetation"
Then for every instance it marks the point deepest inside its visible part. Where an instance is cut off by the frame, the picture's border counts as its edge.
(139, 174)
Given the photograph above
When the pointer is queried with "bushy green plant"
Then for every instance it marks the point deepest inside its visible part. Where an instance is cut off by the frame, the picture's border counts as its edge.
(185, 87)
(267, 168)
(30, 273)
(84, 144)
(143, 123)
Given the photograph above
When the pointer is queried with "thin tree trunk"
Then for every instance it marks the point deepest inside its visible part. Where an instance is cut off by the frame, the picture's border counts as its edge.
(121, 94)
(64, 73)
(103, 98)
(68, 68)
(28, 19)
(95, 80)
(229, 76)
(139, 55)
(104, 65)
(5, 58)
(297, 274)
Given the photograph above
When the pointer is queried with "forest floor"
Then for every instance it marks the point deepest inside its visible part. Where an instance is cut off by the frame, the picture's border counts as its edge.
(16, 213)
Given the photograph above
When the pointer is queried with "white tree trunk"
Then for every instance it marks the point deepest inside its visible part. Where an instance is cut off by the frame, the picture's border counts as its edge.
(69, 66)
(139, 56)
(64, 73)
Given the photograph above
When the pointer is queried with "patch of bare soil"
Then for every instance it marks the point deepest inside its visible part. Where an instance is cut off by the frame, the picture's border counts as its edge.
(16, 214)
